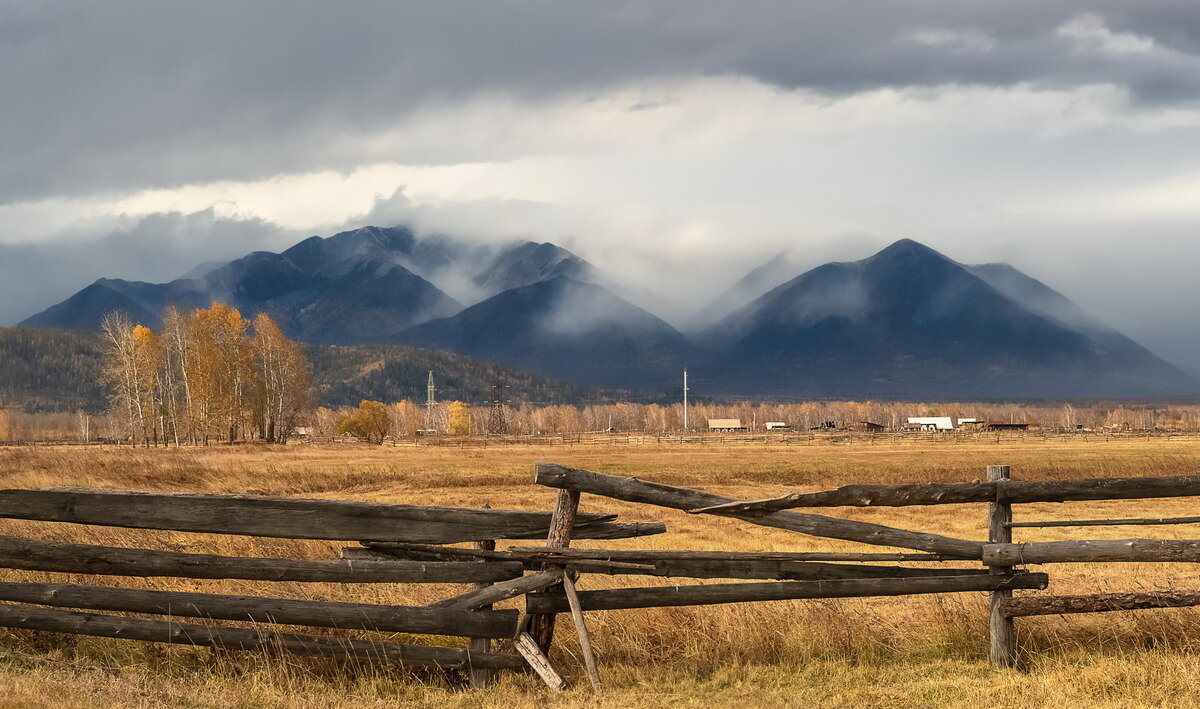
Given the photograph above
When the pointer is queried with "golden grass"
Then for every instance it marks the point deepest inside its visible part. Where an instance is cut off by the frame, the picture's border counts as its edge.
(915, 651)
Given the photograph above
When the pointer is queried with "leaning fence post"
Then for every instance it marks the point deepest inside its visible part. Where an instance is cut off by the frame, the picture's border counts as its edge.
(1000, 628)
(566, 504)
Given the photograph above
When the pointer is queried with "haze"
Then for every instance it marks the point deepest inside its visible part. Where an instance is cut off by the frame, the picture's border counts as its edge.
(675, 144)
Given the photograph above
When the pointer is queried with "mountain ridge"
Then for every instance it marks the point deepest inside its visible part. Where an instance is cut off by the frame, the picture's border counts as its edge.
(905, 321)
(908, 317)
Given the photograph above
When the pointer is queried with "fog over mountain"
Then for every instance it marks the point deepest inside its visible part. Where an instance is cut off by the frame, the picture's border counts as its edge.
(909, 319)
(905, 322)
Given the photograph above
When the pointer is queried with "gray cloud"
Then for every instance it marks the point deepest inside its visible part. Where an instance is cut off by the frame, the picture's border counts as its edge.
(101, 99)
(158, 247)
(124, 94)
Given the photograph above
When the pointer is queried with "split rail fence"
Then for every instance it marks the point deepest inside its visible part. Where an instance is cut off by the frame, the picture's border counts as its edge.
(410, 544)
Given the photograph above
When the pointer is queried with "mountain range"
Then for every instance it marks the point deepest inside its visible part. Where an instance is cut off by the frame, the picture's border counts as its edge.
(907, 322)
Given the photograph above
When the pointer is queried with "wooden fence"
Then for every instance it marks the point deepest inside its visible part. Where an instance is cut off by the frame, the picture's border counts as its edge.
(42, 606)
(408, 544)
(1000, 554)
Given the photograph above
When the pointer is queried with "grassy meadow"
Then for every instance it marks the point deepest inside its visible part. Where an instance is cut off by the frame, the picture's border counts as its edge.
(891, 652)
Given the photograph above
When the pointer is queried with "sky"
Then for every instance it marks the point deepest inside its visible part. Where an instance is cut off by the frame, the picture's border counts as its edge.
(676, 144)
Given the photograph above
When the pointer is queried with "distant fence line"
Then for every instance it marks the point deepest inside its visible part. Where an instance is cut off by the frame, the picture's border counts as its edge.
(797, 438)
(662, 439)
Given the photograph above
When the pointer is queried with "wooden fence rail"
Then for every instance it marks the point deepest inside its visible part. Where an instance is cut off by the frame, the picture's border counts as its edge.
(650, 555)
(1099, 603)
(292, 518)
(954, 493)
(1106, 522)
(684, 567)
(284, 611)
(662, 596)
(30, 617)
(635, 490)
(61, 557)
(1098, 550)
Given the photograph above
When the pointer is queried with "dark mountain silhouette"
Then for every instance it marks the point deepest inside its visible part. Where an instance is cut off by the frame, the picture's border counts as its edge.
(565, 328)
(143, 302)
(910, 322)
(905, 323)
(527, 262)
(349, 288)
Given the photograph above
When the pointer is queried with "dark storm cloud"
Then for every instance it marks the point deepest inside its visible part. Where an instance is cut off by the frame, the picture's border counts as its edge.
(121, 95)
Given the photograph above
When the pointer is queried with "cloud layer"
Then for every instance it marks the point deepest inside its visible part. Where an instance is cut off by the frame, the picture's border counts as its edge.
(141, 138)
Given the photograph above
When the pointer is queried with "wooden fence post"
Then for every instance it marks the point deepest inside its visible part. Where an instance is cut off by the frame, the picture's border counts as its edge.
(480, 676)
(541, 627)
(1000, 627)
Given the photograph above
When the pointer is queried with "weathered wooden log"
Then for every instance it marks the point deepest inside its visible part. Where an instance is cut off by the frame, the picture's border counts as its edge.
(430, 552)
(787, 570)
(1098, 603)
(480, 677)
(1092, 550)
(35, 555)
(861, 496)
(604, 530)
(16, 615)
(566, 509)
(291, 518)
(635, 490)
(661, 596)
(1001, 630)
(585, 639)
(537, 660)
(1084, 489)
(689, 567)
(648, 555)
(497, 592)
(1106, 522)
(1080, 489)
(286, 611)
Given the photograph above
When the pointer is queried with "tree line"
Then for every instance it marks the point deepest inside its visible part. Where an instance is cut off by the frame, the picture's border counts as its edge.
(408, 417)
(209, 374)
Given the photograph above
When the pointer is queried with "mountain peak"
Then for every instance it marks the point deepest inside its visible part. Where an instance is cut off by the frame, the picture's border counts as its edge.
(907, 248)
(911, 321)
(527, 262)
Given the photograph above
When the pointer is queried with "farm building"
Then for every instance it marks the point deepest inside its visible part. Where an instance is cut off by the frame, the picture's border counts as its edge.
(931, 423)
(777, 426)
(1003, 426)
(725, 425)
(864, 426)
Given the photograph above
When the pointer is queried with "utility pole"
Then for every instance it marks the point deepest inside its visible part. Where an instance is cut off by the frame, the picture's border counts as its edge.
(496, 423)
(685, 391)
(429, 402)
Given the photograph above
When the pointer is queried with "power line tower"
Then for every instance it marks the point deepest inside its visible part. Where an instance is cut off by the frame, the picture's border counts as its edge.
(430, 402)
(497, 425)
(685, 405)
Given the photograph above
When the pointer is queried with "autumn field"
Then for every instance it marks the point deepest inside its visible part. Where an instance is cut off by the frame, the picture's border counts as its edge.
(892, 652)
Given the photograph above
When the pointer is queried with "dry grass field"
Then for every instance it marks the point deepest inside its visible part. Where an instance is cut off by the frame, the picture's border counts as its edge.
(895, 652)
